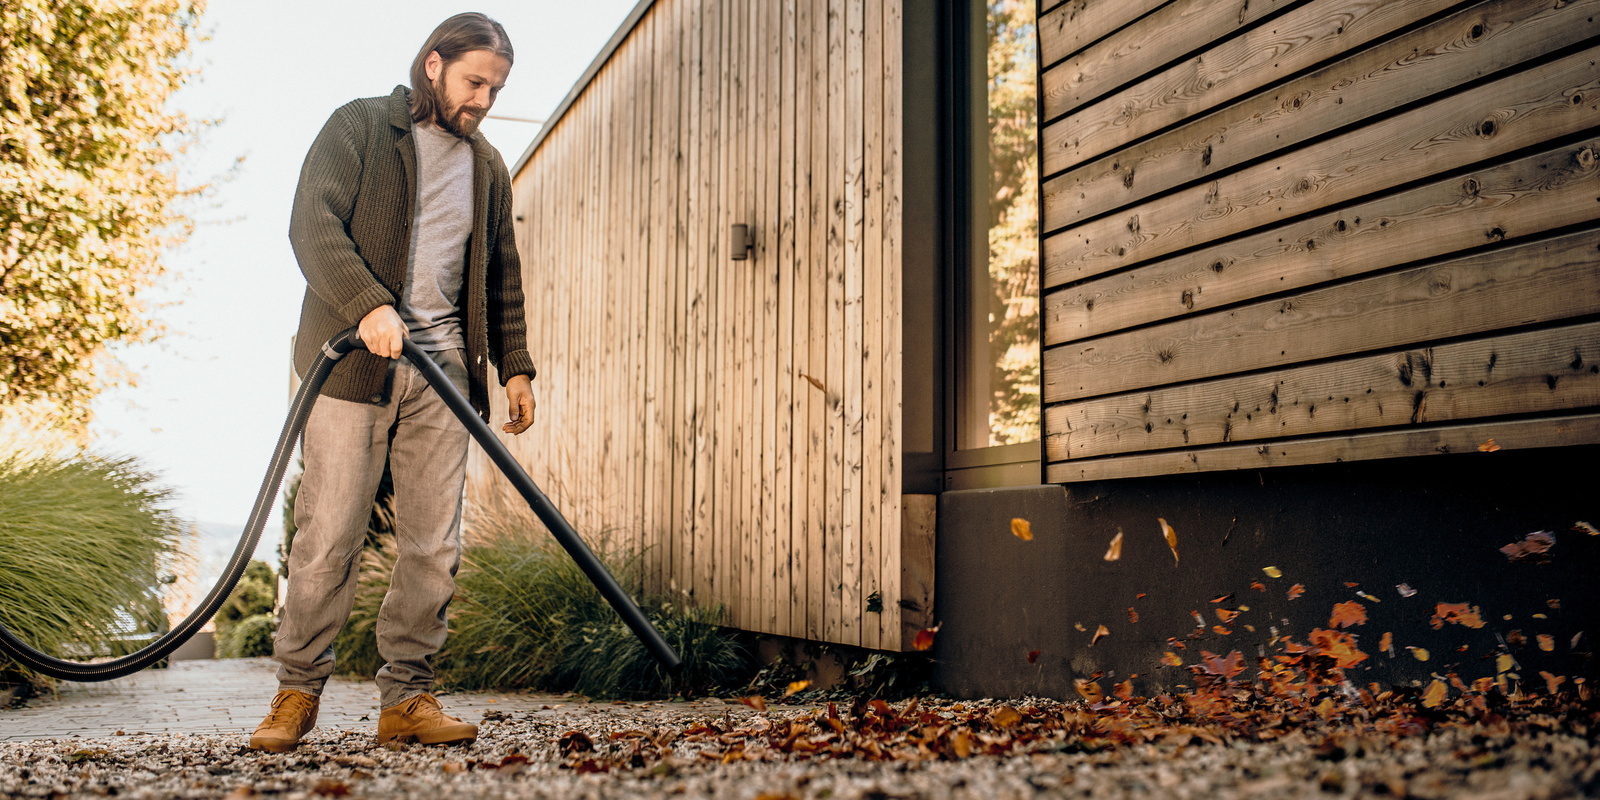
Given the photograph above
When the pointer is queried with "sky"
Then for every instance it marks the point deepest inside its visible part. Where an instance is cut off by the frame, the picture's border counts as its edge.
(212, 394)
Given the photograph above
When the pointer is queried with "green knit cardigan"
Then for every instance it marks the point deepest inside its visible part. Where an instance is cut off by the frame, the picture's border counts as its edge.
(351, 232)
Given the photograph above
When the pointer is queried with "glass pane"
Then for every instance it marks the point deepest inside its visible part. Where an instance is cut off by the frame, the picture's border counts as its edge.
(1002, 347)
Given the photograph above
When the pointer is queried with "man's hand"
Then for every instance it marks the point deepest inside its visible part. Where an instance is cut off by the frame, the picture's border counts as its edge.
(383, 330)
(519, 393)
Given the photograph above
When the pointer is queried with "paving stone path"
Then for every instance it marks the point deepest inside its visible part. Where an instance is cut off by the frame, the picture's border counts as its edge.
(221, 697)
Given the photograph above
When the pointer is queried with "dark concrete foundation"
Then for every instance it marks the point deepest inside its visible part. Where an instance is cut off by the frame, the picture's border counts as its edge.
(1434, 523)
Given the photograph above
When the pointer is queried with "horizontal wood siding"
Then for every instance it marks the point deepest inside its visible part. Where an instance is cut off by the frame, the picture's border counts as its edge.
(1298, 232)
(733, 424)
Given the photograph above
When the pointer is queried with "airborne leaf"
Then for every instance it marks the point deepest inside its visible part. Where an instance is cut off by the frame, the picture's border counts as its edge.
(1547, 642)
(795, 688)
(1171, 659)
(1033, 656)
(1534, 547)
(1099, 633)
(1021, 529)
(755, 701)
(1115, 551)
(1089, 690)
(1456, 614)
(1435, 694)
(1347, 615)
(1386, 644)
(924, 637)
(1272, 572)
(1171, 537)
(1296, 590)
(1552, 682)
(1584, 527)
(1419, 653)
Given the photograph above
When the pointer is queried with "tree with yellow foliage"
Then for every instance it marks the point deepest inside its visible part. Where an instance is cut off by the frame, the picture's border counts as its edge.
(89, 190)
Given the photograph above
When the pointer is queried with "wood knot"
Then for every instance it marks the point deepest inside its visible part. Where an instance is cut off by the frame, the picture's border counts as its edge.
(1217, 266)
(1188, 299)
(1339, 225)
(1496, 234)
(1476, 32)
(1205, 156)
(1585, 158)
(1488, 128)
(1470, 187)
(1133, 225)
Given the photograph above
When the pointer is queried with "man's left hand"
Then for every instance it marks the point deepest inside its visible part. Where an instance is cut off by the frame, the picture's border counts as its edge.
(519, 393)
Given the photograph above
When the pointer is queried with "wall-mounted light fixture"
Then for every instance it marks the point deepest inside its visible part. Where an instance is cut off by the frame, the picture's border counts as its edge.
(739, 242)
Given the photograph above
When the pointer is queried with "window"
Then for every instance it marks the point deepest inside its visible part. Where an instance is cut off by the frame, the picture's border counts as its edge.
(997, 270)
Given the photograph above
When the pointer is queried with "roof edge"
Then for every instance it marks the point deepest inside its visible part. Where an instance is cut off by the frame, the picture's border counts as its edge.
(578, 88)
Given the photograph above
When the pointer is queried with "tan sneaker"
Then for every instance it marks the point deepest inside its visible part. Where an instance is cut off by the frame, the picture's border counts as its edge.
(420, 719)
(293, 715)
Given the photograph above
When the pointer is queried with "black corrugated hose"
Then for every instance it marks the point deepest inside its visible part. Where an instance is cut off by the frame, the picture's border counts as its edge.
(335, 349)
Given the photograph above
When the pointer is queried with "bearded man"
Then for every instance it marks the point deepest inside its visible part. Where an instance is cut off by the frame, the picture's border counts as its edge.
(402, 225)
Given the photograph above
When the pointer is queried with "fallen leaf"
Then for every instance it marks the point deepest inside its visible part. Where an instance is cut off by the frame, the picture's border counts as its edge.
(1033, 656)
(1021, 529)
(1089, 690)
(1005, 717)
(574, 742)
(1133, 616)
(1296, 590)
(1457, 614)
(454, 767)
(796, 687)
(1258, 586)
(1534, 547)
(1272, 572)
(1227, 666)
(1547, 642)
(1115, 551)
(1435, 694)
(755, 701)
(961, 744)
(1488, 447)
(1552, 682)
(1349, 614)
(328, 787)
(1171, 659)
(924, 637)
(1584, 527)
(1171, 536)
(1099, 633)
(1386, 644)
(1405, 590)
(1419, 653)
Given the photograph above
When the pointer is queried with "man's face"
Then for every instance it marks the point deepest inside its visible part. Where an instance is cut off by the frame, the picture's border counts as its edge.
(466, 88)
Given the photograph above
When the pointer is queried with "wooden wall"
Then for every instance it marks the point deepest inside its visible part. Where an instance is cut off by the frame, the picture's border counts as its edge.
(735, 423)
(1288, 232)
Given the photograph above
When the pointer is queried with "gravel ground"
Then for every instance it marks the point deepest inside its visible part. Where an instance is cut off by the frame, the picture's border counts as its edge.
(522, 755)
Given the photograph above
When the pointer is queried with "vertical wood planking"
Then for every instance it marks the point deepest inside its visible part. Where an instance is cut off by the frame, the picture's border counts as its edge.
(871, 318)
(890, 510)
(817, 434)
(800, 387)
(748, 450)
(784, 384)
(855, 139)
(837, 191)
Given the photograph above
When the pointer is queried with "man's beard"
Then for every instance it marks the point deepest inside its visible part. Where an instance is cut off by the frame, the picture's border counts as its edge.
(461, 120)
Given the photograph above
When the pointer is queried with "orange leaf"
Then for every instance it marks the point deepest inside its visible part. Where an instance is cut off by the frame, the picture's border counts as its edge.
(1584, 527)
(1171, 536)
(1435, 694)
(924, 638)
(1296, 590)
(1552, 682)
(1225, 615)
(1547, 643)
(1099, 633)
(1221, 631)
(1115, 551)
(1348, 614)
(1124, 690)
(1171, 659)
(1488, 447)
(1339, 645)
(1419, 653)
(1090, 690)
(1005, 717)
(1386, 644)
(1133, 616)
(796, 687)
(1458, 614)
(1222, 598)
(1021, 529)
(1033, 656)
(1258, 586)
(961, 743)
(755, 701)
(1228, 667)
(1534, 547)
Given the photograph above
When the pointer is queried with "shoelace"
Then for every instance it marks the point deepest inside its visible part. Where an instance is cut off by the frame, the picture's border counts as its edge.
(290, 708)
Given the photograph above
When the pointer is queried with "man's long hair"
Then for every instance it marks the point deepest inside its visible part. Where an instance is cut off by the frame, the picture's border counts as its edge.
(454, 38)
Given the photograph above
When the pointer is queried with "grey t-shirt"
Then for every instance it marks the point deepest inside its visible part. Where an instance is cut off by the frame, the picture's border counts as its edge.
(431, 307)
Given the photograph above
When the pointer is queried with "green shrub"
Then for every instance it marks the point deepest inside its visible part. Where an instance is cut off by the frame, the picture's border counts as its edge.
(84, 543)
(251, 637)
(254, 595)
